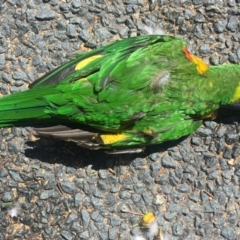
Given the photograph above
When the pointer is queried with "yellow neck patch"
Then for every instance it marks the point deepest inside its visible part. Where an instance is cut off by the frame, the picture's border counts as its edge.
(236, 95)
(202, 67)
(86, 61)
(112, 138)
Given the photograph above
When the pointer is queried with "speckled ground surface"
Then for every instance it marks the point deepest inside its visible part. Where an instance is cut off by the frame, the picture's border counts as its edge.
(65, 192)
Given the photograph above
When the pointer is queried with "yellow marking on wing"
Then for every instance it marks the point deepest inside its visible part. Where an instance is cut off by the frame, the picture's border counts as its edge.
(202, 67)
(86, 61)
(236, 95)
(82, 79)
(112, 138)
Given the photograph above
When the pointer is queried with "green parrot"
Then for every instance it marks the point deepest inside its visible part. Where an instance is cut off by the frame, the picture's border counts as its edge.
(127, 95)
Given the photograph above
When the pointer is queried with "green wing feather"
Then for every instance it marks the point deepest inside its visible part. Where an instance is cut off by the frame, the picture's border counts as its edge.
(117, 51)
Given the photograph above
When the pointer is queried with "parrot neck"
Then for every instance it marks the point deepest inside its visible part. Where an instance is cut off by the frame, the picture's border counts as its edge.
(201, 66)
(225, 80)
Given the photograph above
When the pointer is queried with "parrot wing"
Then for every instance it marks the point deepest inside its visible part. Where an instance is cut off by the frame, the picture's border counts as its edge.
(83, 65)
(83, 138)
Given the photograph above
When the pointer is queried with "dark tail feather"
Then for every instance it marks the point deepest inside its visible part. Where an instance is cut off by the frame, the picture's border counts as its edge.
(80, 137)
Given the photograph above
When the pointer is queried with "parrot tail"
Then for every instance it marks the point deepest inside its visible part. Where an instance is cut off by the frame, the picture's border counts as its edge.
(23, 108)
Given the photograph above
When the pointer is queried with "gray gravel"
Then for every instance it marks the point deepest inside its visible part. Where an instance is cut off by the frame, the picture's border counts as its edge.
(65, 192)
